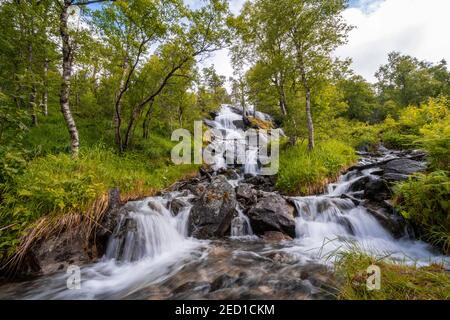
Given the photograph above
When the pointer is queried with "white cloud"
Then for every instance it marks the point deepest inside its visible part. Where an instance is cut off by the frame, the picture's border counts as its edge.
(415, 27)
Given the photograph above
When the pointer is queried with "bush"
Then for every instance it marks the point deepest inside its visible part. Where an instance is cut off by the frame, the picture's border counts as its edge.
(424, 200)
(436, 141)
(303, 172)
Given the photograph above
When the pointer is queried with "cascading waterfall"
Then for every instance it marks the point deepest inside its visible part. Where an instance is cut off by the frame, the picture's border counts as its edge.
(240, 225)
(327, 223)
(150, 244)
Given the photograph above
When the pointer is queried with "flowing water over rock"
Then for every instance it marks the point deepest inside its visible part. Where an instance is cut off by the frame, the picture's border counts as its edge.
(256, 243)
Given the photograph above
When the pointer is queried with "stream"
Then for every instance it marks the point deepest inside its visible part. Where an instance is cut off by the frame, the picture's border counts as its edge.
(151, 255)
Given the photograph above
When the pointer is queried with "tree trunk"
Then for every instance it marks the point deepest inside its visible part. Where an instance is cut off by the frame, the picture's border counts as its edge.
(180, 116)
(118, 104)
(309, 118)
(67, 74)
(146, 123)
(32, 101)
(44, 105)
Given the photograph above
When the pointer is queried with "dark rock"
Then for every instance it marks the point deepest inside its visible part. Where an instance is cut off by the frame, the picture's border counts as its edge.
(176, 205)
(213, 114)
(377, 190)
(359, 184)
(246, 193)
(261, 182)
(240, 124)
(272, 213)
(403, 166)
(197, 189)
(229, 173)
(212, 213)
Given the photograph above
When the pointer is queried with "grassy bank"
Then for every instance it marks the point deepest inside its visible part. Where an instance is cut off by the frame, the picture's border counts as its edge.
(302, 172)
(398, 281)
(54, 185)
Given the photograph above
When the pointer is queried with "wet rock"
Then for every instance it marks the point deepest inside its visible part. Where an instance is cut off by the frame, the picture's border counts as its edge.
(176, 205)
(261, 182)
(359, 184)
(213, 114)
(197, 189)
(275, 236)
(403, 167)
(240, 124)
(272, 213)
(212, 213)
(377, 190)
(246, 194)
(229, 173)
(389, 218)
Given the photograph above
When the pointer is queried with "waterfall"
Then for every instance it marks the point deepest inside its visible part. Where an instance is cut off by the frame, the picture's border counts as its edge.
(240, 225)
(328, 223)
(149, 252)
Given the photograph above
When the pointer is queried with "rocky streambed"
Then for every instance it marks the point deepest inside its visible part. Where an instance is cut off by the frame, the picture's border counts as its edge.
(226, 234)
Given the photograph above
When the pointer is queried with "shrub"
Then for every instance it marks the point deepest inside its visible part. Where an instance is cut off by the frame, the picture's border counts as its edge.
(307, 172)
(424, 200)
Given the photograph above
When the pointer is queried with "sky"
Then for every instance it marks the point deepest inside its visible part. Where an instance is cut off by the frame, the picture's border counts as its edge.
(416, 27)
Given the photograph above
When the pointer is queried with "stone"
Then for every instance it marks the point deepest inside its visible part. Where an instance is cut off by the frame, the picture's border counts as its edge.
(212, 213)
(272, 213)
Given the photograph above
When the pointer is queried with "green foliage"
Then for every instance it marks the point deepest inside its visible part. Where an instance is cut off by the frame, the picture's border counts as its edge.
(424, 200)
(306, 172)
(425, 126)
(406, 81)
(398, 281)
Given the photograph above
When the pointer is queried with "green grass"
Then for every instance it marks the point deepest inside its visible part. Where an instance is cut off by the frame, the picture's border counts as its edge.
(398, 281)
(302, 172)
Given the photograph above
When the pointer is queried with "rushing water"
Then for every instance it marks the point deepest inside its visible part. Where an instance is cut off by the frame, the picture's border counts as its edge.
(150, 256)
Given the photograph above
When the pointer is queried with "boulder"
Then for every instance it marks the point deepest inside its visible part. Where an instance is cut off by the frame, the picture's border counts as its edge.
(246, 194)
(272, 213)
(176, 205)
(212, 213)
(403, 167)
(377, 190)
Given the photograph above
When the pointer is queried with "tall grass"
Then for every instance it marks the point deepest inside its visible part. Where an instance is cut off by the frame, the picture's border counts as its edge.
(398, 281)
(302, 172)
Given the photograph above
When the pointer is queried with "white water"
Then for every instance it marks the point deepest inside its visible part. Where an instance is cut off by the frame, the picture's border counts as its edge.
(240, 225)
(328, 223)
(153, 249)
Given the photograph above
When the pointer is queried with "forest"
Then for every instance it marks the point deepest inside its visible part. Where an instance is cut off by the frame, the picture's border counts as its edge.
(91, 91)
